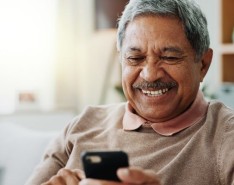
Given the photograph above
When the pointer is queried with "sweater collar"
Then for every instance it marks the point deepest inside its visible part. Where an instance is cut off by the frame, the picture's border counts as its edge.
(191, 116)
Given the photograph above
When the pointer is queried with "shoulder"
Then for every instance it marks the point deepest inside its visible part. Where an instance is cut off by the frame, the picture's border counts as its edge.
(224, 117)
(219, 120)
(100, 115)
(104, 109)
(220, 111)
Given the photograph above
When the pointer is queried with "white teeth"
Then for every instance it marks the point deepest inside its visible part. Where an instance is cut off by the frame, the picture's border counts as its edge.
(155, 93)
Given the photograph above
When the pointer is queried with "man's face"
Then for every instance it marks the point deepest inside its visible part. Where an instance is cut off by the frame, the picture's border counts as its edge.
(160, 76)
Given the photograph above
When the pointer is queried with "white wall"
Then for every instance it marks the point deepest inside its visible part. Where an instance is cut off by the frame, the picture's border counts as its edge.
(94, 50)
(27, 58)
(211, 8)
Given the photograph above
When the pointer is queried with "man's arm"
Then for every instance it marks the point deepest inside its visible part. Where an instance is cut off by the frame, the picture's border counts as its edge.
(54, 159)
(226, 156)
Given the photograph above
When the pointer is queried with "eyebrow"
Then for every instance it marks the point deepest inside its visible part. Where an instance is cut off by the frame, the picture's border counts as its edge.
(134, 49)
(163, 50)
(173, 49)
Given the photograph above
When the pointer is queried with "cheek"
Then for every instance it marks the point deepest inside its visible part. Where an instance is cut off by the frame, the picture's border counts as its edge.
(195, 73)
(187, 77)
(125, 78)
(182, 75)
(128, 75)
(176, 72)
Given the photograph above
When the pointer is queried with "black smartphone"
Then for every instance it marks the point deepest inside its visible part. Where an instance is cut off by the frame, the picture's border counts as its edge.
(103, 164)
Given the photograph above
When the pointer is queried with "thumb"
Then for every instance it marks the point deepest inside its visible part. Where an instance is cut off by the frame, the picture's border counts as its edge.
(138, 176)
(79, 173)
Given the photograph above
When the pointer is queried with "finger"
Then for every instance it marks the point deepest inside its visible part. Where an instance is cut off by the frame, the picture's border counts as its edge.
(65, 177)
(46, 183)
(79, 173)
(137, 176)
(97, 182)
(55, 180)
(70, 177)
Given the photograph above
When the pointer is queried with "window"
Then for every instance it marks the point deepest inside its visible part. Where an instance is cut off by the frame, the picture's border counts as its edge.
(27, 54)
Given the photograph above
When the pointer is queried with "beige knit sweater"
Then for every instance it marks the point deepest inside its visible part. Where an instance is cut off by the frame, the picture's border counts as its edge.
(202, 154)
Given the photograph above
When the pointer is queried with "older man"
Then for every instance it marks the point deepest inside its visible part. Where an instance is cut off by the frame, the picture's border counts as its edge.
(171, 134)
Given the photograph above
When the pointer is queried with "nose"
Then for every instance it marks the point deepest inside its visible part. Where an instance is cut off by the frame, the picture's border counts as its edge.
(152, 72)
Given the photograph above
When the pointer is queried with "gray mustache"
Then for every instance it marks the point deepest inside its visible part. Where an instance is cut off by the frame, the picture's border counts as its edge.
(157, 84)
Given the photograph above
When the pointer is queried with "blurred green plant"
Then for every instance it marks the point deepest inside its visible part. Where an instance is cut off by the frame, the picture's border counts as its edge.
(207, 93)
(119, 89)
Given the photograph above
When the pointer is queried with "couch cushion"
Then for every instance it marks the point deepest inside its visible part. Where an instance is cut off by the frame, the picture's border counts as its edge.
(21, 150)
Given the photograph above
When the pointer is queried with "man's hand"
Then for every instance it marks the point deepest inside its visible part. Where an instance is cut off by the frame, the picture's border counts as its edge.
(133, 176)
(66, 177)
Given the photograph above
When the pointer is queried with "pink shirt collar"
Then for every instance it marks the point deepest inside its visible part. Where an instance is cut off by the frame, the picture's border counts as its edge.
(193, 115)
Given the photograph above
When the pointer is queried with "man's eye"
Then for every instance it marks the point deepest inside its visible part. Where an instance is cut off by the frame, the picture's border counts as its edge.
(170, 59)
(135, 60)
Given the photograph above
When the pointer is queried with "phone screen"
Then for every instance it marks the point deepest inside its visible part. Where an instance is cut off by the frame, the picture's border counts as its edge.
(104, 164)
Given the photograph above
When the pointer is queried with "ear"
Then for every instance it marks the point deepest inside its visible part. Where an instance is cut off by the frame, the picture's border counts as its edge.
(205, 63)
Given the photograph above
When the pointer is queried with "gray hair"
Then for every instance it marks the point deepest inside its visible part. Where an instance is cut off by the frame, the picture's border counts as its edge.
(187, 11)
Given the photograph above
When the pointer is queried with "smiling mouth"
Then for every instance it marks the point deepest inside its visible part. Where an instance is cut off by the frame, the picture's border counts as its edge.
(154, 89)
(154, 93)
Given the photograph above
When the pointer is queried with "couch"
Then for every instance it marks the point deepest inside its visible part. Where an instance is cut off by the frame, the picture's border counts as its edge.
(21, 149)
